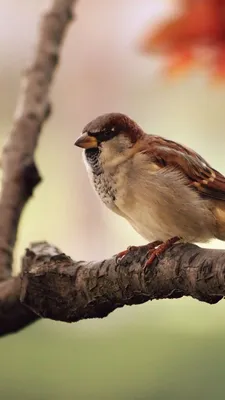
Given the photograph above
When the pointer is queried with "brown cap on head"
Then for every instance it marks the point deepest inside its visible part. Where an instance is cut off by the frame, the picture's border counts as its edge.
(107, 126)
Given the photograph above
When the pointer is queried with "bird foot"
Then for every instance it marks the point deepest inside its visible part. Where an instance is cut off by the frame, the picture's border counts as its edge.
(163, 246)
(149, 246)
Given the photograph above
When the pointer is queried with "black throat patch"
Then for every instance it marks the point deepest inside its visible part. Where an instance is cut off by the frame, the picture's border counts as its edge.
(92, 157)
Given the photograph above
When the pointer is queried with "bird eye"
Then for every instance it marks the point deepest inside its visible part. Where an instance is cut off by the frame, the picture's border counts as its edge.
(106, 134)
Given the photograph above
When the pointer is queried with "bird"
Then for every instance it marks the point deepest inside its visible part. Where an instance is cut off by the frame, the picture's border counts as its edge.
(165, 190)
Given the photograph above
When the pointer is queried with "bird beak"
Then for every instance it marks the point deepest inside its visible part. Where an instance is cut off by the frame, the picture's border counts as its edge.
(86, 142)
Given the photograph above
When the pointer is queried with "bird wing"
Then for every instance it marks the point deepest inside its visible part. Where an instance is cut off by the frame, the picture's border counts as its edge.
(201, 176)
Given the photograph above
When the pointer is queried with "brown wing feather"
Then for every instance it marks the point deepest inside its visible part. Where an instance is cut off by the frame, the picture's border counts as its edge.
(206, 180)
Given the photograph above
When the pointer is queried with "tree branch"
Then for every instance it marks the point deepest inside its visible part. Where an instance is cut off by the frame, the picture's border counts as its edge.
(54, 286)
(13, 315)
(20, 174)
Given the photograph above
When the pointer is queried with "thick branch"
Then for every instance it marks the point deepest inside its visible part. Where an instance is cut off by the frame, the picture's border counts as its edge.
(59, 288)
(13, 315)
(20, 174)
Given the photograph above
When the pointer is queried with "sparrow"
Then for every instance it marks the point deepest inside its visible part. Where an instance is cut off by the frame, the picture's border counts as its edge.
(165, 190)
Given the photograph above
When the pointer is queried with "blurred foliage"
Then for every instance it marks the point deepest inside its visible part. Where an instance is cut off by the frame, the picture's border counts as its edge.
(159, 350)
(195, 34)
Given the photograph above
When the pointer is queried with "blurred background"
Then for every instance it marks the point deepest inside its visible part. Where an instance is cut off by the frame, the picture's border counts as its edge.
(170, 349)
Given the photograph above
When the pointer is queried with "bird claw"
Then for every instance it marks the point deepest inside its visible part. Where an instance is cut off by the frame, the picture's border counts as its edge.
(157, 251)
(123, 253)
(149, 246)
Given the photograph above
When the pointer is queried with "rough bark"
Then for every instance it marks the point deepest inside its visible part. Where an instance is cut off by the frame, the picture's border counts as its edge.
(20, 174)
(54, 286)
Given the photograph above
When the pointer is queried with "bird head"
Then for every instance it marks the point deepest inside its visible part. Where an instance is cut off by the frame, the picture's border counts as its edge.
(109, 134)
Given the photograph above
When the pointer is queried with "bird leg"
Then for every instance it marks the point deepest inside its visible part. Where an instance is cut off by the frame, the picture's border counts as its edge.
(155, 249)
(155, 252)
(149, 246)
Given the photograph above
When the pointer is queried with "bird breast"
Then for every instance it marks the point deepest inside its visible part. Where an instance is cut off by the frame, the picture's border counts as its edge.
(159, 204)
(156, 201)
(103, 181)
